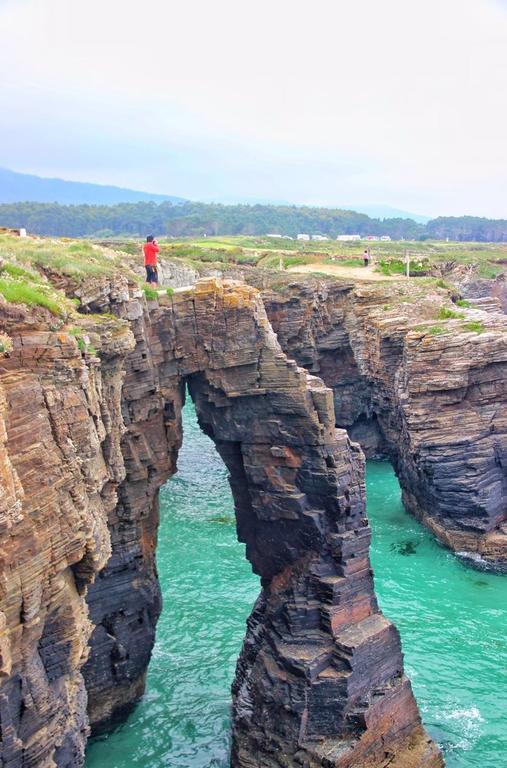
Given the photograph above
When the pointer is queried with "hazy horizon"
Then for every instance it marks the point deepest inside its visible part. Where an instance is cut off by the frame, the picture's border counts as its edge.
(391, 105)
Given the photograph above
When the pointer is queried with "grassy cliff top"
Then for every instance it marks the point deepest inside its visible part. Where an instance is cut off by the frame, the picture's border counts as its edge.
(30, 268)
(388, 258)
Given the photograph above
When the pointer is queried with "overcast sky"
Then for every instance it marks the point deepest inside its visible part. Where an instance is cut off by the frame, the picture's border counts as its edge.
(323, 102)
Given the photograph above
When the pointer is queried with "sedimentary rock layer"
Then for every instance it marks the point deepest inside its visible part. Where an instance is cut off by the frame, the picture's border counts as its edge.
(431, 394)
(320, 679)
(60, 466)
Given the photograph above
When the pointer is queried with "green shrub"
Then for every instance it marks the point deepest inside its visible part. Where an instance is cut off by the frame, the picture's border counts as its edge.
(151, 294)
(169, 291)
(462, 303)
(391, 267)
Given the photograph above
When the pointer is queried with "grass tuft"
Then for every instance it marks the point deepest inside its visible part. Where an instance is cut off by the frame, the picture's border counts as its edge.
(475, 326)
(431, 330)
(449, 314)
(151, 294)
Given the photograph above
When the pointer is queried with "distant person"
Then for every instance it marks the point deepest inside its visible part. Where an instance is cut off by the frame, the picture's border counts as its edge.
(366, 257)
(151, 249)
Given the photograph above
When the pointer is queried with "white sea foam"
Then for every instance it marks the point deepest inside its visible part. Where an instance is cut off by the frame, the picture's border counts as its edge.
(465, 724)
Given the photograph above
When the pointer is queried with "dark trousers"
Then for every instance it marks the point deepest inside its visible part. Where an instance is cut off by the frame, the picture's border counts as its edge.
(151, 274)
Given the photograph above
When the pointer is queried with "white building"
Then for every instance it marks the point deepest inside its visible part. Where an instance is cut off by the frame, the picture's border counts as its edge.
(320, 238)
(302, 236)
(348, 238)
(385, 239)
(272, 234)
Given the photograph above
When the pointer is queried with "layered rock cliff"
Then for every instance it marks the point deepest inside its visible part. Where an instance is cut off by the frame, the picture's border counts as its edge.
(415, 378)
(422, 381)
(60, 467)
(87, 443)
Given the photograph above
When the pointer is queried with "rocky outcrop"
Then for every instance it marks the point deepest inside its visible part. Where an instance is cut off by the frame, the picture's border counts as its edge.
(429, 393)
(60, 462)
(320, 679)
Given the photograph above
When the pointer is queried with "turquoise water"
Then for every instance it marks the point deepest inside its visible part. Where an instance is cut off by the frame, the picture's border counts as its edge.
(452, 622)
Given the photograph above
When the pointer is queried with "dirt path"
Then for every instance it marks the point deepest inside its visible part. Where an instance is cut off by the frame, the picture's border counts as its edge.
(352, 273)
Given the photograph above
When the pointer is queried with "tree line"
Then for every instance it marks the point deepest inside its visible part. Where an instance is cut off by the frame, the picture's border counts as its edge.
(199, 219)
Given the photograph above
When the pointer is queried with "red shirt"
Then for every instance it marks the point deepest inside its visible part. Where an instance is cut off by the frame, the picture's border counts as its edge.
(150, 254)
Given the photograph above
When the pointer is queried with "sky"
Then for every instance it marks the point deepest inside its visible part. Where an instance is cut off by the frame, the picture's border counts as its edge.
(321, 103)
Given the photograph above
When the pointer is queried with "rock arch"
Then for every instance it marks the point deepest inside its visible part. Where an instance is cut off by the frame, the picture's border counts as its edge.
(320, 678)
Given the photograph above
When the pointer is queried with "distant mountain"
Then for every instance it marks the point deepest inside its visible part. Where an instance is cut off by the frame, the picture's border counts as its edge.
(20, 187)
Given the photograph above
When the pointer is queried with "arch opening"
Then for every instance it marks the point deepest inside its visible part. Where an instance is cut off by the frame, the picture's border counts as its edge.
(320, 676)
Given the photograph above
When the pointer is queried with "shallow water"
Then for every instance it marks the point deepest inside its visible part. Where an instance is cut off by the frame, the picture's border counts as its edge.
(452, 621)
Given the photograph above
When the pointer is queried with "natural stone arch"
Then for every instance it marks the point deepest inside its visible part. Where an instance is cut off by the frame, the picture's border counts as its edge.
(320, 678)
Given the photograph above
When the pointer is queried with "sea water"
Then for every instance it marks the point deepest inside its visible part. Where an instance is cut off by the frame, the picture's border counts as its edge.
(452, 620)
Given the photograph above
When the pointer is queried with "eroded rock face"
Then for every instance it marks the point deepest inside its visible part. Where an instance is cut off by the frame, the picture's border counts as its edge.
(434, 403)
(86, 445)
(60, 466)
(320, 677)
(431, 396)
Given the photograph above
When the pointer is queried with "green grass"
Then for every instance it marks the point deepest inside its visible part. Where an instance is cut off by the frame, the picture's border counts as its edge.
(449, 314)
(14, 270)
(273, 261)
(18, 292)
(398, 267)
(425, 257)
(434, 330)
(169, 291)
(348, 262)
(80, 336)
(475, 326)
(489, 271)
(151, 294)
(462, 303)
(79, 260)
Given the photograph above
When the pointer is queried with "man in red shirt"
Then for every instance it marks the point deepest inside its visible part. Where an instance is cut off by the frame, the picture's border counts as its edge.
(151, 249)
